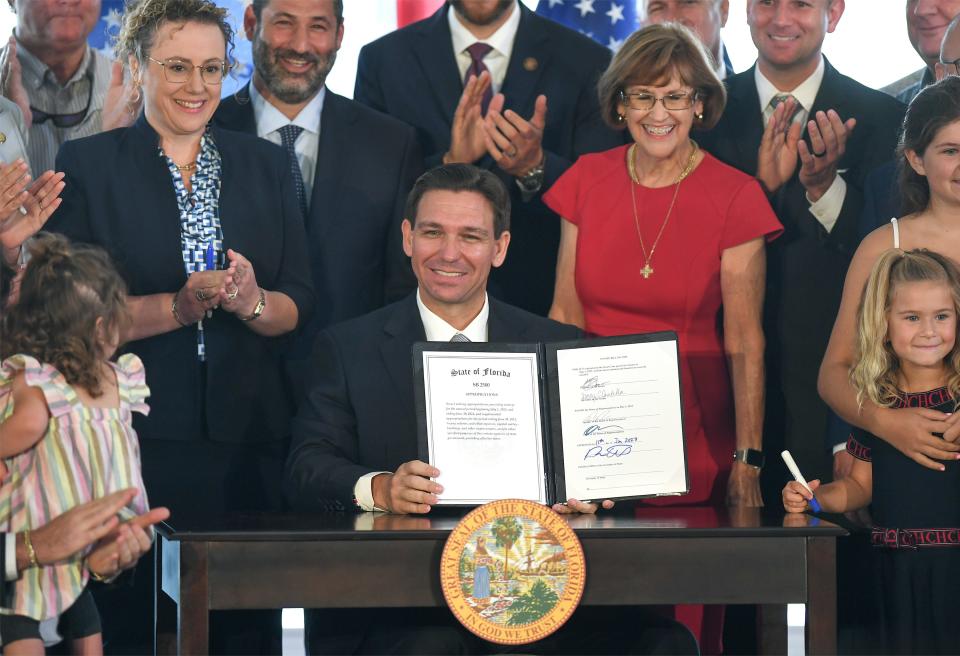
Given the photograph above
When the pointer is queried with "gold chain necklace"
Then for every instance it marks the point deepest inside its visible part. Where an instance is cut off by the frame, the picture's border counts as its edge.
(186, 167)
(647, 270)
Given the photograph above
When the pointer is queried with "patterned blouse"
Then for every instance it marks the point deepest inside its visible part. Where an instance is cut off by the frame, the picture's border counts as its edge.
(200, 230)
(86, 453)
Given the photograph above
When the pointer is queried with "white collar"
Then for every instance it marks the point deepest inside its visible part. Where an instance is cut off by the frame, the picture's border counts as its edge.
(501, 40)
(270, 119)
(805, 92)
(438, 330)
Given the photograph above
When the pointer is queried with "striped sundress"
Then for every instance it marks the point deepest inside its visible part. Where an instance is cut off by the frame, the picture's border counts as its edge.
(86, 453)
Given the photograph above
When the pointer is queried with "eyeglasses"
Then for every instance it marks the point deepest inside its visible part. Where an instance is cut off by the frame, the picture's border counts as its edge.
(955, 63)
(645, 101)
(62, 120)
(179, 71)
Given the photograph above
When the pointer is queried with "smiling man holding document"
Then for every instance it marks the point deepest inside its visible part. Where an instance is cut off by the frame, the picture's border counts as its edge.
(355, 438)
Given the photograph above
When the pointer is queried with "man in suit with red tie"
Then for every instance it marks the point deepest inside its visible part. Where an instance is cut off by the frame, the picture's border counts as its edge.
(529, 112)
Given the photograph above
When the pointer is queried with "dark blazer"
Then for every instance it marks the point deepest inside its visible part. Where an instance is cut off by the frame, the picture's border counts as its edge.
(806, 266)
(366, 164)
(359, 414)
(119, 195)
(412, 74)
(881, 199)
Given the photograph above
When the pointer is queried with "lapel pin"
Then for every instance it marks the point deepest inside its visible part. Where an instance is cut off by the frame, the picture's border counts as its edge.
(3, 138)
(530, 64)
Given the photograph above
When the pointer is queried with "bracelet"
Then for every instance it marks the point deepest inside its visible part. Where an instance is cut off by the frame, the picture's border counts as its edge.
(258, 309)
(100, 578)
(31, 552)
(173, 310)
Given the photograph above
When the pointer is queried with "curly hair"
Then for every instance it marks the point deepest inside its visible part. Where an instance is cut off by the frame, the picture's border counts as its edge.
(66, 288)
(143, 19)
(874, 375)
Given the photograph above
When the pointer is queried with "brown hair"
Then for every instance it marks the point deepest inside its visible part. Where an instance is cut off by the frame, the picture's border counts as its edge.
(462, 177)
(934, 108)
(653, 55)
(66, 288)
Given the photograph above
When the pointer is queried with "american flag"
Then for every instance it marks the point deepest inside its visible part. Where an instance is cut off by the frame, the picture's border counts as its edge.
(608, 22)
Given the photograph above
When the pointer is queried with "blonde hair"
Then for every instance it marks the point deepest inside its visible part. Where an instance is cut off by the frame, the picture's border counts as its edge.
(144, 18)
(653, 55)
(874, 375)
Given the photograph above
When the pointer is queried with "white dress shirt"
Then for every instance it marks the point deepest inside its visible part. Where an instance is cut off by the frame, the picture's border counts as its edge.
(10, 557)
(501, 41)
(436, 330)
(827, 209)
(270, 120)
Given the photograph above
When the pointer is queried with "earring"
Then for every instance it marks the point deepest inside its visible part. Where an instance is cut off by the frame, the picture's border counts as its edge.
(133, 104)
(620, 118)
(700, 116)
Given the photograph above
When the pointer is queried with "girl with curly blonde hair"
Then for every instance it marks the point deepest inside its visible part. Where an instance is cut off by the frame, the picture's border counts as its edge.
(907, 356)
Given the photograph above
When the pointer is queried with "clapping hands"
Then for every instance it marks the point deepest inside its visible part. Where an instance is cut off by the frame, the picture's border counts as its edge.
(514, 143)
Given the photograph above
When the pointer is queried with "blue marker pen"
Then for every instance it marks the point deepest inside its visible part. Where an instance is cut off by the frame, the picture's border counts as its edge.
(210, 258)
(792, 466)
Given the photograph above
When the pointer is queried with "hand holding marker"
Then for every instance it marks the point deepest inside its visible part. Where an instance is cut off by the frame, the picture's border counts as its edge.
(798, 477)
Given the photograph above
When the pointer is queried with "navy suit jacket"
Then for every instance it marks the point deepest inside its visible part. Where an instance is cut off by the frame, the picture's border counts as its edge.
(881, 198)
(807, 265)
(366, 165)
(119, 195)
(359, 414)
(412, 74)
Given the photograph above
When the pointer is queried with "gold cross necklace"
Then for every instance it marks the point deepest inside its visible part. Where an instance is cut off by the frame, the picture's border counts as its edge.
(647, 270)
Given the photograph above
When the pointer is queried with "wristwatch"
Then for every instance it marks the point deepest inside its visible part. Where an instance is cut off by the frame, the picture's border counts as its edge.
(750, 457)
(531, 181)
(258, 309)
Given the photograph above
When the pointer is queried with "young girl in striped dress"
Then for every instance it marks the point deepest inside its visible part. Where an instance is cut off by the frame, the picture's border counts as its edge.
(66, 433)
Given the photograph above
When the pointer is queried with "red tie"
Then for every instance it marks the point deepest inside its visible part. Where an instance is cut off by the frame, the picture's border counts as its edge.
(477, 52)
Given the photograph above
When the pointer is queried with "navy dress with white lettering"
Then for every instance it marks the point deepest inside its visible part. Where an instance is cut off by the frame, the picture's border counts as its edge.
(916, 515)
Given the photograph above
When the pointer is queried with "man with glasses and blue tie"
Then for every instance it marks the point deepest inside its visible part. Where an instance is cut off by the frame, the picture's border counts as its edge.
(64, 88)
(352, 166)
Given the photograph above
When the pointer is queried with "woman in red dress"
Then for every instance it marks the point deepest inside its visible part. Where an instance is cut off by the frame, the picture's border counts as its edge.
(659, 235)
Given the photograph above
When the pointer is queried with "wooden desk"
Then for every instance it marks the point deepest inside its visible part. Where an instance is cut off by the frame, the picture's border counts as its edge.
(668, 556)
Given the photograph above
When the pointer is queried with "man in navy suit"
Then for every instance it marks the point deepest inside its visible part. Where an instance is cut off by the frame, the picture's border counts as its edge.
(825, 132)
(355, 438)
(704, 17)
(353, 166)
(531, 110)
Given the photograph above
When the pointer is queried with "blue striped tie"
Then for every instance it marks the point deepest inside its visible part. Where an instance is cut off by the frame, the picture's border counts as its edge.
(459, 337)
(288, 135)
